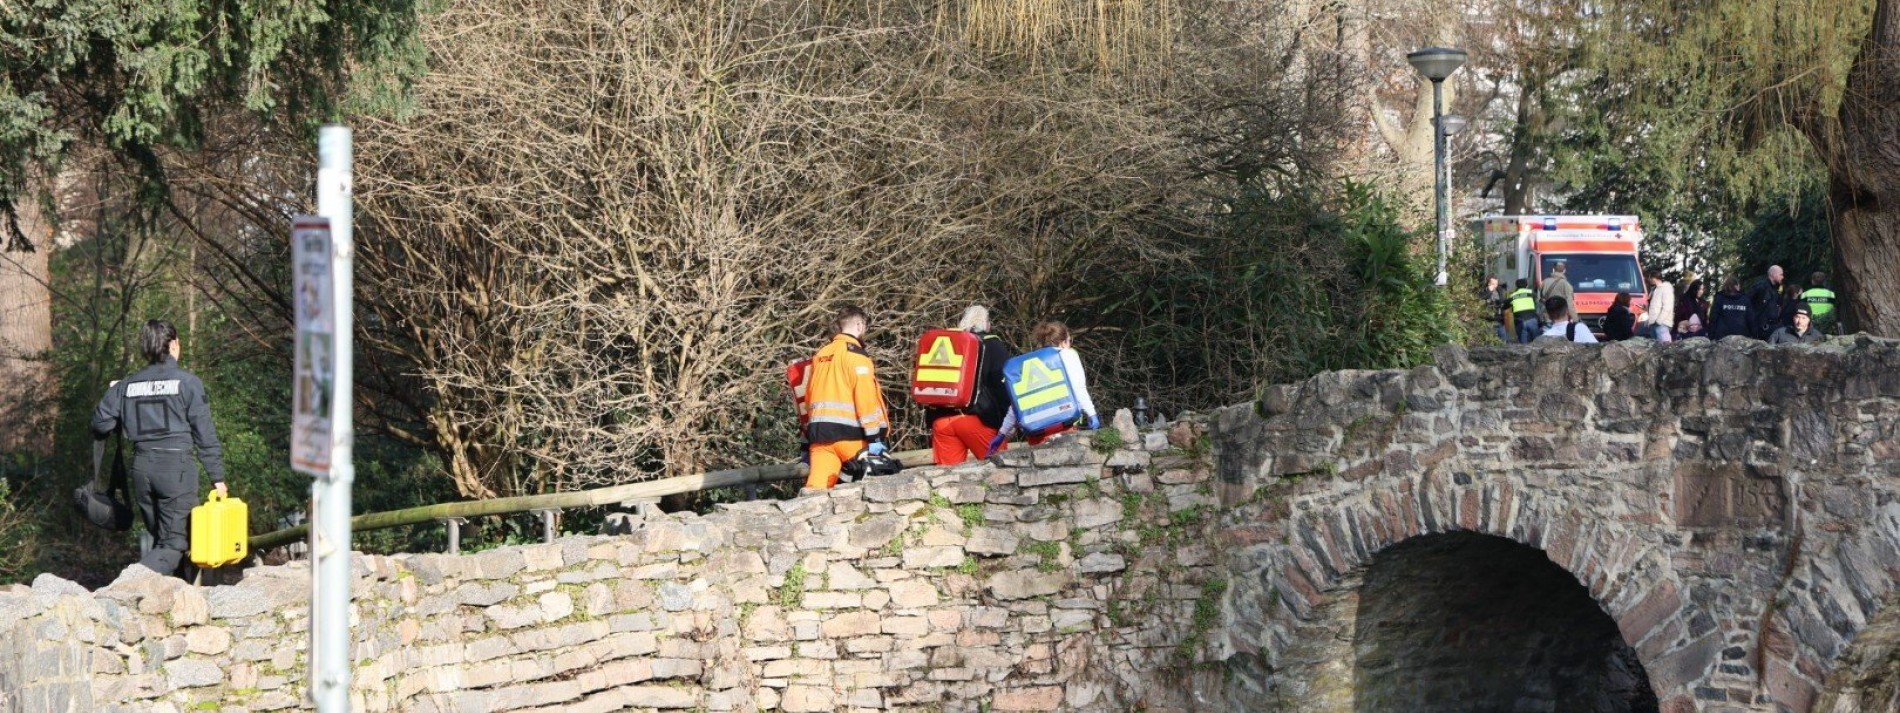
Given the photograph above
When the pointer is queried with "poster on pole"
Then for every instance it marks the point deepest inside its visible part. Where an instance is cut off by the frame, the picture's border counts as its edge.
(313, 371)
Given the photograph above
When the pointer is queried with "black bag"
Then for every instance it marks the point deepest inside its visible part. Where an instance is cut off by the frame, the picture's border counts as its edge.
(102, 504)
(865, 465)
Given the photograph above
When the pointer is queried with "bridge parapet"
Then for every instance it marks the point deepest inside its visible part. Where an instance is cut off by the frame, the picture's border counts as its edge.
(1076, 577)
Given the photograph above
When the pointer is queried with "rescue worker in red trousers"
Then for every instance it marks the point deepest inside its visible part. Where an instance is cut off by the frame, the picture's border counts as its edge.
(847, 408)
(957, 434)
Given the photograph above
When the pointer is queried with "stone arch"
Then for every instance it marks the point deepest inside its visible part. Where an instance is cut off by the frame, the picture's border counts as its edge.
(1314, 575)
(1461, 621)
(1734, 507)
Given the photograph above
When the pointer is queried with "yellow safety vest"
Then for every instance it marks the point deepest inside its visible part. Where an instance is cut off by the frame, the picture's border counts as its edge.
(1820, 301)
(1523, 300)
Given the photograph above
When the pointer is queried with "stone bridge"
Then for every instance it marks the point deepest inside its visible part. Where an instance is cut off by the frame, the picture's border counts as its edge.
(1564, 528)
(1630, 527)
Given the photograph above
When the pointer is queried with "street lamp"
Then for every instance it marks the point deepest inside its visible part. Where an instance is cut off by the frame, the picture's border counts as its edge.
(1449, 125)
(1437, 64)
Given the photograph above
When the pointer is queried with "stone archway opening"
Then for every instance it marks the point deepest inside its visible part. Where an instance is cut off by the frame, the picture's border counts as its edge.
(1469, 622)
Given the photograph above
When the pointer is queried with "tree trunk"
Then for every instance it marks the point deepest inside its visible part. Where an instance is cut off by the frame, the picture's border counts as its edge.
(1518, 185)
(1864, 178)
(26, 335)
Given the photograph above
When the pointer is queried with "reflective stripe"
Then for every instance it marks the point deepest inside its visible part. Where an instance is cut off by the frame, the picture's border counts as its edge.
(844, 406)
(872, 418)
(168, 387)
(939, 376)
(1031, 401)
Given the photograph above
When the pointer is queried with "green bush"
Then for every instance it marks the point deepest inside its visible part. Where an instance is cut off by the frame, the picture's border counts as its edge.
(1271, 285)
(19, 538)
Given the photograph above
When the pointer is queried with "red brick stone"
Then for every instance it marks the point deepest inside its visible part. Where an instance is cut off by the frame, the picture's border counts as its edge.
(1468, 509)
(1506, 504)
(1429, 460)
(1813, 671)
(1362, 470)
(1247, 535)
(1789, 688)
(1659, 604)
(1776, 642)
(1303, 585)
(1408, 506)
(1560, 542)
(1380, 521)
(1679, 704)
(1333, 553)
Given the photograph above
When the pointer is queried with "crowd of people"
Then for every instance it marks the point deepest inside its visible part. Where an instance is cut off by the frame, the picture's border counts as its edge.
(1772, 309)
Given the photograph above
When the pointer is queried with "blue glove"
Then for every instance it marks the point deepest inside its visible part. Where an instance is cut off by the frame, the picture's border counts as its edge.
(997, 442)
(1095, 422)
(877, 448)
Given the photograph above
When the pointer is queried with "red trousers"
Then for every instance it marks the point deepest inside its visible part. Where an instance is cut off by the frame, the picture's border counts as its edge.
(1036, 440)
(953, 439)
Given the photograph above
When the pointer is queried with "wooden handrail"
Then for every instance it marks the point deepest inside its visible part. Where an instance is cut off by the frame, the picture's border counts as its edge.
(572, 499)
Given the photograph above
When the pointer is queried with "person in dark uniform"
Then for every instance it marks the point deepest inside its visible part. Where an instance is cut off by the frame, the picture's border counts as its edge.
(164, 412)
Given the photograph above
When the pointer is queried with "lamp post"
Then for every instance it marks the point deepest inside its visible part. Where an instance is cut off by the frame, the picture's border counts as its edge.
(1449, 125)
(1437, 64)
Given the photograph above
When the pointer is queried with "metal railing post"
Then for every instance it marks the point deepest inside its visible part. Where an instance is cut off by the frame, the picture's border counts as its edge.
(455, 533)
(547, 523)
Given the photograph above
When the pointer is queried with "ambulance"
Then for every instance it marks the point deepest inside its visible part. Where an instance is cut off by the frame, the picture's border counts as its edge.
(1599, 254)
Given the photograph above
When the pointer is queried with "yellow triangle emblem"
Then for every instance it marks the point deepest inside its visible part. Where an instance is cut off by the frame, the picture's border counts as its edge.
(941, 354)
(1037, 375)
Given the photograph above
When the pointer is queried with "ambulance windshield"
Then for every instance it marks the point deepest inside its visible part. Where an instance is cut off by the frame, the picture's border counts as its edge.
(1607, 272)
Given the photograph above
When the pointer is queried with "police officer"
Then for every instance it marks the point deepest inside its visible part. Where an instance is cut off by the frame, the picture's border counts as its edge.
(1524, 311)
(163, 411)
(1820, 301)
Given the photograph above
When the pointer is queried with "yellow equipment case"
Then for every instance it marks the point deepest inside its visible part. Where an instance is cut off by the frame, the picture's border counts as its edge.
(220, 531)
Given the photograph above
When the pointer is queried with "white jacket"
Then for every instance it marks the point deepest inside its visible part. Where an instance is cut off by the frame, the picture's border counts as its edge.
(1662, 305)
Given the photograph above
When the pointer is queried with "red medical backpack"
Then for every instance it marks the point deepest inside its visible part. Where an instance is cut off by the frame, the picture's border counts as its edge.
(944, 374)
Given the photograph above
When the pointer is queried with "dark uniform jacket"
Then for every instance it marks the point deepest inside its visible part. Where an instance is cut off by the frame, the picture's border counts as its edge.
(1729, 315)
(1787, 335)
(162, 406)
(1764, 307)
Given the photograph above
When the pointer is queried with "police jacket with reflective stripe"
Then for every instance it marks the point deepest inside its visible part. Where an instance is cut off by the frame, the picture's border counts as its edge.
(162, 406)
(846, 404)
(1820, 301)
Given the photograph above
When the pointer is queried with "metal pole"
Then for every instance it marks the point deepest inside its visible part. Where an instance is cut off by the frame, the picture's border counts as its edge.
(330, 561)
(1439, 176)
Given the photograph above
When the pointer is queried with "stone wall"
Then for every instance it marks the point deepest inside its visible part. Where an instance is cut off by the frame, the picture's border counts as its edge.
(1077, 578)
(1691, 527)
(1733, 508)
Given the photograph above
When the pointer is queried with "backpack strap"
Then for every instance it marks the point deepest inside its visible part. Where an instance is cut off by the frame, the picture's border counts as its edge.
(98, 458)
(118, 468)
(117, 483)
(1570, 331)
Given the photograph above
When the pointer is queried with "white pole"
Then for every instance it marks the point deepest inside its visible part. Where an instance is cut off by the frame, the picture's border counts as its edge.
(330, 559)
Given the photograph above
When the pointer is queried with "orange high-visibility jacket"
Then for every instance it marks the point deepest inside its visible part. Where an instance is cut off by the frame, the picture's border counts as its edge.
(842, 393)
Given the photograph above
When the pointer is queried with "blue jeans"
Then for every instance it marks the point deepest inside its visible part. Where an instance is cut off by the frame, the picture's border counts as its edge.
(1528, 330)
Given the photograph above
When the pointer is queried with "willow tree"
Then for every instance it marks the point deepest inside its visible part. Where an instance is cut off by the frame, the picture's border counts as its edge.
(1743, 103)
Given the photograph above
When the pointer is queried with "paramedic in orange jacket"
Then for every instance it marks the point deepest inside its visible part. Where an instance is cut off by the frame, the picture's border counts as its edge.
(847, 408)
